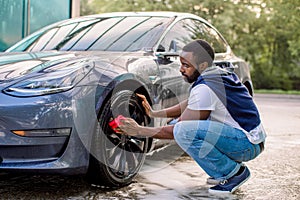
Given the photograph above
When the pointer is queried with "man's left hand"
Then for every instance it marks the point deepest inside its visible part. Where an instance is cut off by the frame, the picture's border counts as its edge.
(128, 126)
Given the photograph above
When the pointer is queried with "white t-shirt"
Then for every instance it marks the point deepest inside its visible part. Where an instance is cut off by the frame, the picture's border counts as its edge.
(203, 98)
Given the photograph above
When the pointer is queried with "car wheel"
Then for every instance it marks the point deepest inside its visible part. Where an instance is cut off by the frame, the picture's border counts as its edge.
(116, 159)
(249, 88)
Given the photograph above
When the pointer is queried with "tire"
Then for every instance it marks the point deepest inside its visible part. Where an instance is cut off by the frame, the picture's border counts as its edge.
(116, 159)
(249, 88)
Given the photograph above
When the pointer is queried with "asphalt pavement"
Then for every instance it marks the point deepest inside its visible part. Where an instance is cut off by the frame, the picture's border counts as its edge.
(275, 174)
(170, 174)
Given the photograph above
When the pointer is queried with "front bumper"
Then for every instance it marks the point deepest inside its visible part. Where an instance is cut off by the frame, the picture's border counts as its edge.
(68, 154)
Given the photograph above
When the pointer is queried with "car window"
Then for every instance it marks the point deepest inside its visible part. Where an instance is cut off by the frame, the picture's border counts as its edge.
(53, 38)
(88, 36)
(131, 34)
(143, 35)
(204, 31)
(63, 33)
(60, 34)
(185, 31)
(105, 34)
(72, 40)
(178, 34)
(28, 43)
(24, 44)
(43, 40)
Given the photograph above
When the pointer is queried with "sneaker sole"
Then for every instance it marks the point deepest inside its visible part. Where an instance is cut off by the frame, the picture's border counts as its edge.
(212, 181)
(229, 192)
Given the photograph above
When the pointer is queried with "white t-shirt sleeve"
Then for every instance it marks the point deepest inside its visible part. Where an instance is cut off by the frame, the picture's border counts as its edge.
(202, 98)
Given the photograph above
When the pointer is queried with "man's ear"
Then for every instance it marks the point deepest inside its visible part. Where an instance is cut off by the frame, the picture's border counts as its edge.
(203, 66)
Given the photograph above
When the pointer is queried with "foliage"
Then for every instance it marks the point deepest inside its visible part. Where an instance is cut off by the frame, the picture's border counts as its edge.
(278, 91)
(264, 32)
(86, 8)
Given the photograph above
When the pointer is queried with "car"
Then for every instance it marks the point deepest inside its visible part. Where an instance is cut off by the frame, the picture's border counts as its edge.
(62, 85)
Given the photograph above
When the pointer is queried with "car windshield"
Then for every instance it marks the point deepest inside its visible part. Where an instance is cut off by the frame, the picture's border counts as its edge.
(100, 34)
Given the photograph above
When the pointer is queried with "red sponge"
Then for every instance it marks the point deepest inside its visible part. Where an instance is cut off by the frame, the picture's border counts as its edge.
(116, 122)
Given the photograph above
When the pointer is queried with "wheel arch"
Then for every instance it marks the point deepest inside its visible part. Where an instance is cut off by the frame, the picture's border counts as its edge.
(249, 86)
(125, 82)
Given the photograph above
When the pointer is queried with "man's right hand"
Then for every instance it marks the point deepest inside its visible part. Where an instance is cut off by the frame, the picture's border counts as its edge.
(146, 105)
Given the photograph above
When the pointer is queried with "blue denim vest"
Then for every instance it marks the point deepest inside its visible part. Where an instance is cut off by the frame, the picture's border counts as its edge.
(233, 94)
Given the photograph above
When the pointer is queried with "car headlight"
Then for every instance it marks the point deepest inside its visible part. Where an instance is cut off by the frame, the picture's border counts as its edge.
(52, 80)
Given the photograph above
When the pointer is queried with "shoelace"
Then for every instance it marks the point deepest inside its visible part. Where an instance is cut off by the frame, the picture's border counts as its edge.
(223, 182)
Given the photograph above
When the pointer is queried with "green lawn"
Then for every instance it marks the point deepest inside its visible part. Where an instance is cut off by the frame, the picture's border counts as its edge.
(262, 91)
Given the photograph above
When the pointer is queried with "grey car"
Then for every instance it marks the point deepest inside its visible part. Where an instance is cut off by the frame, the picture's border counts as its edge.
(62, 85)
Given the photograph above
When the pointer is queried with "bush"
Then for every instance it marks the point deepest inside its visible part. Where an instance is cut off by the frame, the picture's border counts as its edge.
(262, 79)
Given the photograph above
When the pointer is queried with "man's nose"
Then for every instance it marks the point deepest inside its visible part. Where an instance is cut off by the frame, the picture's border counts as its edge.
(181, 69)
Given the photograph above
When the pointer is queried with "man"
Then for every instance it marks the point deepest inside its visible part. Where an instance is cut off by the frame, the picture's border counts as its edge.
(218, 125)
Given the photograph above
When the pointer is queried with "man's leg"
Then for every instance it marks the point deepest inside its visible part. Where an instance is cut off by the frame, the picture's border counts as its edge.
(218, 149)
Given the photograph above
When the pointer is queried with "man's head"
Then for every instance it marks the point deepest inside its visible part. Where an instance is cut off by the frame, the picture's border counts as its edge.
(195, 57)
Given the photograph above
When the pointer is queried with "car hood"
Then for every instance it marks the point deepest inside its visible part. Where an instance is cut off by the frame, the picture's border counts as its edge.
(18, 66)
(15, 66)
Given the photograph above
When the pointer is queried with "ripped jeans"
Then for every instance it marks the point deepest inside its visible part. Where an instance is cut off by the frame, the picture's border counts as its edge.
(218, 149)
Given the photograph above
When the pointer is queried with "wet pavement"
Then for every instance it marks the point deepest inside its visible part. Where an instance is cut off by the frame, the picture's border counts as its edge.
(169, 174)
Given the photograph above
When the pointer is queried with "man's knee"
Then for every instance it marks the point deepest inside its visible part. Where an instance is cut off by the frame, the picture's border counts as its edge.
(182, 134)
(179, 133)
(186, 137)
(176, 131)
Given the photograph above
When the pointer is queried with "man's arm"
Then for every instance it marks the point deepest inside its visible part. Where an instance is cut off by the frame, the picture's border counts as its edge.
(164, 132)
(130, 127)
(172, 112)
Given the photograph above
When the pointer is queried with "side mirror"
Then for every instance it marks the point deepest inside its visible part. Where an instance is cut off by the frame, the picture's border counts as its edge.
(172, 51)
(165, 55)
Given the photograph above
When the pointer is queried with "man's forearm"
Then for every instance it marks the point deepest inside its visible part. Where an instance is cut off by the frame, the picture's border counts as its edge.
(171, 112)
(164, 132)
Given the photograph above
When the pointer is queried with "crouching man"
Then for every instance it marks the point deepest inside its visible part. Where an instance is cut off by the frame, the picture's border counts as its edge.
(218, 125)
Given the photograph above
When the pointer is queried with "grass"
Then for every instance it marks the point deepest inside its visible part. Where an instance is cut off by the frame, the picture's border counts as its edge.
(263, 91)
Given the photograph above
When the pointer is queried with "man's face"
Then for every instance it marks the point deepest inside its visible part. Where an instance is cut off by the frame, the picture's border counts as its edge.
(188, 67)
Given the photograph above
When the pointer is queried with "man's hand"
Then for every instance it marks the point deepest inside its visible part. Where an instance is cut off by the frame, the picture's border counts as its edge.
(149, 111)
(128, 126)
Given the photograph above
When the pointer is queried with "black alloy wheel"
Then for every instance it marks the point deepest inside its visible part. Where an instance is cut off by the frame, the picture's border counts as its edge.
(116, 159)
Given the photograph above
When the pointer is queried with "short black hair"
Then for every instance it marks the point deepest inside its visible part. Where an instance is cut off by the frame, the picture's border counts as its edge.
(202, 51)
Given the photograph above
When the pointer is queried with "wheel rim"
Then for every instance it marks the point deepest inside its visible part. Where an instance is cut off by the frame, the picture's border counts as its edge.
(125, 154)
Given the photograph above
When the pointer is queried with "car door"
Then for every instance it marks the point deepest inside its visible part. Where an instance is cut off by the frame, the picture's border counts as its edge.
(174, 89)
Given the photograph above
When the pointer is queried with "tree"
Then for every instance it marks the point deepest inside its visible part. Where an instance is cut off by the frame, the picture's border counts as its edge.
(264, 32)
(85, 8)
(279, 57)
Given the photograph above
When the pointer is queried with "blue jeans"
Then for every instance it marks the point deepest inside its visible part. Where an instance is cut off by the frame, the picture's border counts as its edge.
(218, 149)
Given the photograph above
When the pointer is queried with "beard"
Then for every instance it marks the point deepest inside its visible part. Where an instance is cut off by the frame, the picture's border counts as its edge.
(192, 78)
